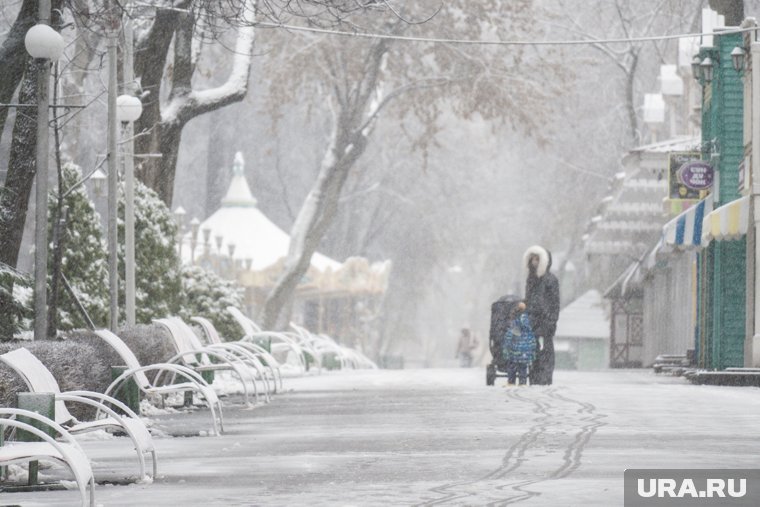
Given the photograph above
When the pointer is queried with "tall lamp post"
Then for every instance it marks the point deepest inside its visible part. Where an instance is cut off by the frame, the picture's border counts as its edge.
(179, 215)
(195, 225)
(43, 43)
(112, 30)
(128, 110)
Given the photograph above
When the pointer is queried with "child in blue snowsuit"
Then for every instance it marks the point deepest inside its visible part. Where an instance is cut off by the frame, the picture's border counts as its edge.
(519, 346)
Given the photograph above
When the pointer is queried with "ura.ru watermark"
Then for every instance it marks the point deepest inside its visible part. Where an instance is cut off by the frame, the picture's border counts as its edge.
(693, 488)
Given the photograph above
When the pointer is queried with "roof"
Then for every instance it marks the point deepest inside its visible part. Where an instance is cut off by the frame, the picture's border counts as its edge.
(586, 317)
(630, 219)
(241, 223)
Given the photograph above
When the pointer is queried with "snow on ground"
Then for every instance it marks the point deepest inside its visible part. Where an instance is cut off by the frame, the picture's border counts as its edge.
(434, 437)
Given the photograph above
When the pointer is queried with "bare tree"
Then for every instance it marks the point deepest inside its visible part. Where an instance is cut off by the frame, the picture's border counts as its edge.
(621, 19)
(161, 124)
(417, 83)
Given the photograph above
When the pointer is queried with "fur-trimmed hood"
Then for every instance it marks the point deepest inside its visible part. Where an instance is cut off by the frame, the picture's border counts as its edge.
(544, 259)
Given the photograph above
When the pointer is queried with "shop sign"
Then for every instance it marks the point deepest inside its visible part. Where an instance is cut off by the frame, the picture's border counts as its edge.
(689, 177)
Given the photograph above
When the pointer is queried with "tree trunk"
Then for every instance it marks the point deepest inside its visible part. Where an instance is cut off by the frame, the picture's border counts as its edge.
(14, 198)
(13, 56)
(313, 219)
(150, 60)
(160, 131)
(733, 10)
(162, 181)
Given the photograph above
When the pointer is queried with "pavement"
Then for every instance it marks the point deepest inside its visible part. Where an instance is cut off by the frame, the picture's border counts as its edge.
(432, 437)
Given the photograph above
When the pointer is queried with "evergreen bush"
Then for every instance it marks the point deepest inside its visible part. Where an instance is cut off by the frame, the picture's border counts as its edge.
(84, 260)
(15, 301)
(204, 294)
(157, 268)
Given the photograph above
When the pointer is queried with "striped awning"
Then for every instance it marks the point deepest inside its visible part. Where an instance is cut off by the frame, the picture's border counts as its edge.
(730, 221)
(685, 230)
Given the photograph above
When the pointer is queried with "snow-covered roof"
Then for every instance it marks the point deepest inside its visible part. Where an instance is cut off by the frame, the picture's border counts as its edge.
(630, 218)
(676, 143)
(241, 223)
(586, 317)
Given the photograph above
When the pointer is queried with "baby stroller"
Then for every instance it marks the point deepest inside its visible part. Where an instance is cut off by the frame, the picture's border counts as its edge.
(500, 312)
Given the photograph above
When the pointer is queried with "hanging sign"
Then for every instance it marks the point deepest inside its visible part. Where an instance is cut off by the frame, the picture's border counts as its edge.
(689, 177)
(696, 175)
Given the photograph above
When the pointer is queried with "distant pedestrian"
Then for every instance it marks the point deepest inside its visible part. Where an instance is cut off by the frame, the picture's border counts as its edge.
(542, 301)
(465, 348)
(519, 345)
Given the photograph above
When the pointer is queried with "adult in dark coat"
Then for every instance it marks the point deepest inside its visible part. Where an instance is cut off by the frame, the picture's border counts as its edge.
(542, 301)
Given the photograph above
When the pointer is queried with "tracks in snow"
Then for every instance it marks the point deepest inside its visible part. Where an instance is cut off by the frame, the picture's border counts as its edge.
(525, 462)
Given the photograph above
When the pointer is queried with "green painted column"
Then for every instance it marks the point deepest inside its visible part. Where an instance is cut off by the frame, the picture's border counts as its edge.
(723, 145)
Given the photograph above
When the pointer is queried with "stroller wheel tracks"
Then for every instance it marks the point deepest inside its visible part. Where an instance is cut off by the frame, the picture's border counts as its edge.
(555, 440)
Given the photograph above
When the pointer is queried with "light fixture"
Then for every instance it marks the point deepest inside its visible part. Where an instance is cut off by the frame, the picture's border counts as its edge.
(671, 84)
(41, 41)
(707, 69)
(128, 108)
(695, 69)
(98, 179)
(737, 58)
(654, 108)
(179, 214)
(194, 226)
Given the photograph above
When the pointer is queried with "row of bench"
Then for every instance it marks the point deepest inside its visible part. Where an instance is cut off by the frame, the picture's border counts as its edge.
(253, 361)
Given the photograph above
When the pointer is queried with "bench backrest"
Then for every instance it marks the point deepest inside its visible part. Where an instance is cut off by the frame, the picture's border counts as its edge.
(37, 378)
(209, 329)
(249, 326)
(126, 355)
(184, 339)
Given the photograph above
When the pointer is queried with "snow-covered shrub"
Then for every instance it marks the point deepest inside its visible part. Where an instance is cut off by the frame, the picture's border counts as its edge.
(157, 267)
(84, 361)
(204, 294)
(84, 262)
(74, 364)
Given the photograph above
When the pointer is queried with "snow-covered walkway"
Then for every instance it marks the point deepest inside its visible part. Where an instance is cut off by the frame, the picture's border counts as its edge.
(437, 437)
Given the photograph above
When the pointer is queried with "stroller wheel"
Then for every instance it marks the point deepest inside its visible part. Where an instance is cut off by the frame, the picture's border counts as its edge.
(490, 374)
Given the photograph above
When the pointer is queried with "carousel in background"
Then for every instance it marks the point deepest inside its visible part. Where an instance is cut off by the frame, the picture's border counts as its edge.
(238, 242)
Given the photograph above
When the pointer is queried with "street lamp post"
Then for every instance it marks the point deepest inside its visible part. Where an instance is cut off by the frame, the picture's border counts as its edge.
(44, 43)
(112, 29)
(206, 242)
(194, 226)
(179, 215)
(128, 110)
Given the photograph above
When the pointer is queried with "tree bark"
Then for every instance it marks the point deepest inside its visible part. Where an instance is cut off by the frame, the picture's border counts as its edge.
(14, 198)
(733, 10)
(13, 56)
(150, 61)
